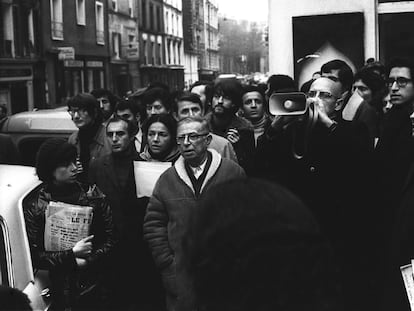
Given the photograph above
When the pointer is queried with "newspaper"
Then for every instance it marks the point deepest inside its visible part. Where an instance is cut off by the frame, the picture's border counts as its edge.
(408, 277)
(146, 176)
(65, 225)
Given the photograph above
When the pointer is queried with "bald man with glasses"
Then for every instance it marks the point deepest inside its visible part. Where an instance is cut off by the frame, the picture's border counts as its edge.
(326, 166)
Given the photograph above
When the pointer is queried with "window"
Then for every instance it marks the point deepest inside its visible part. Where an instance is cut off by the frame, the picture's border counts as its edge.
(31, 31)
(80, 12)
(131, 8)
(7, 38)
(166, 22)
(159, 54)
(144, 43)
(116, 45)
(100, 35)
(144, 13)
(159, 19)
(151, 16)
(56, 19)
(153, 53)
(5, 268)
(114, 5)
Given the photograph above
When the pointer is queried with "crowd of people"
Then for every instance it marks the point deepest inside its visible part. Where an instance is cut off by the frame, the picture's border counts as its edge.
(255, 212)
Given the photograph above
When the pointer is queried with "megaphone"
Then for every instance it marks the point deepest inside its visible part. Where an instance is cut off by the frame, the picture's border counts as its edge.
(288, 104)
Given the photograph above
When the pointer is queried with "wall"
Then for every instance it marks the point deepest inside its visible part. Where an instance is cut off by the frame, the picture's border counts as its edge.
(281, 12)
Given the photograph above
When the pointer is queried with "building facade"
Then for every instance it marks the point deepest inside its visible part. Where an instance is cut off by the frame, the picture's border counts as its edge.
(193, 35)
(302, 36)
(21, 71)
(174, 43)
(75, 48)
(124, 47)
(209, 58)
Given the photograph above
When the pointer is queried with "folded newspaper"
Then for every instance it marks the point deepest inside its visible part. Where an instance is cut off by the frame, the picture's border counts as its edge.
(408, 277)
(65, 225)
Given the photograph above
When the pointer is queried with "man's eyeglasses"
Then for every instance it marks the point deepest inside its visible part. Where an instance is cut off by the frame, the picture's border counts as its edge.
(401, 81)
(192, 138)
(321, 94)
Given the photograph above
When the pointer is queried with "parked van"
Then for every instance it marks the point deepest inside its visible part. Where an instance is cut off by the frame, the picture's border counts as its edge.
(30, 129)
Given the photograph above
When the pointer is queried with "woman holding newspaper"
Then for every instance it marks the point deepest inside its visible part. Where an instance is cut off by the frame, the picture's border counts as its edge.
(70, 230)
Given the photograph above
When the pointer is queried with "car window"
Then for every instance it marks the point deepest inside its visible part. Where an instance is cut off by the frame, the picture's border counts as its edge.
(4, 255)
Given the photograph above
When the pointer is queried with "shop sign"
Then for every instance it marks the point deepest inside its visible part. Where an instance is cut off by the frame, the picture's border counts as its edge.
(66, 53)
(94, 64)
(73, 63)
(14, 73)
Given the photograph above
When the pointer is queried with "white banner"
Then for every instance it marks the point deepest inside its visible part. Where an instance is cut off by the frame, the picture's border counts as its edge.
(146, 176)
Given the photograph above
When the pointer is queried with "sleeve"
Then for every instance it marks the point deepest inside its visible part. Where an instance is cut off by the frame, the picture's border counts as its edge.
(156, 232)
(62, 260)
(106, 234)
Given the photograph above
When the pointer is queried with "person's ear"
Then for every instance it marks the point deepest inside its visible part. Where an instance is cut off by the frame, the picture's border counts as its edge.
(340, 102)
(208, 139)
(175, 116)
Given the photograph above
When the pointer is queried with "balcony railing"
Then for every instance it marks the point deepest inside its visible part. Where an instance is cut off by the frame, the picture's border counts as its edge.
(100, 37)
(57, 30)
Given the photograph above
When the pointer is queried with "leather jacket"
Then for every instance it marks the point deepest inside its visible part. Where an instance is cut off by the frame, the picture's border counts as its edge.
(62, 264)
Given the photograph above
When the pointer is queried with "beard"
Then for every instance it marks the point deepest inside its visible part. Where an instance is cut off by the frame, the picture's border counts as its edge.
(222, 112)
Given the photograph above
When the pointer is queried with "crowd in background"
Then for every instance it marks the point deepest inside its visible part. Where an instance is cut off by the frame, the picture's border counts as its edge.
(307, 211)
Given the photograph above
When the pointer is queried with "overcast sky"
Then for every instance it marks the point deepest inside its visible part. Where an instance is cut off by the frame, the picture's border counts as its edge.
(253, 10)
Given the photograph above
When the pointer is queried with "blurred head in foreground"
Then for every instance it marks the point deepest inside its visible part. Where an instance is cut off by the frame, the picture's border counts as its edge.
(255, 246)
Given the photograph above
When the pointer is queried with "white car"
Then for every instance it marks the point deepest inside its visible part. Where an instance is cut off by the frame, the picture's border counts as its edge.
(17, 185)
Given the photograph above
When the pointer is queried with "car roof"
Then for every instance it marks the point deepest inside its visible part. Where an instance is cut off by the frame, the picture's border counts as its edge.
(57, 120)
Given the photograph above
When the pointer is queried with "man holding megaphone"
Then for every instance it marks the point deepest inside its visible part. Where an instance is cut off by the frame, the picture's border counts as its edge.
(324, 160)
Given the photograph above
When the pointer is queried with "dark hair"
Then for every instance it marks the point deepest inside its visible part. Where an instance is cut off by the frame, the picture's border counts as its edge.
(156, 93)
(231, 88)
(13, 299)
(132, 127)
(281, 84)
(127, 104)
(374, 81)
(253, 88)
(376, 67)
(187, 96)
(345, 74)
(209, 89)
(113, 99)
(88, 103)
(253, 245)
(401, 62)
(158, 85)
(53, 153)
(165, 119)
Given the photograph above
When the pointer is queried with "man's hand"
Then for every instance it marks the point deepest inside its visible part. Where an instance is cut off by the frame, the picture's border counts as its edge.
(83, 248)
(280, 122)
(79, 166)
(233, 136)
(322, 115)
